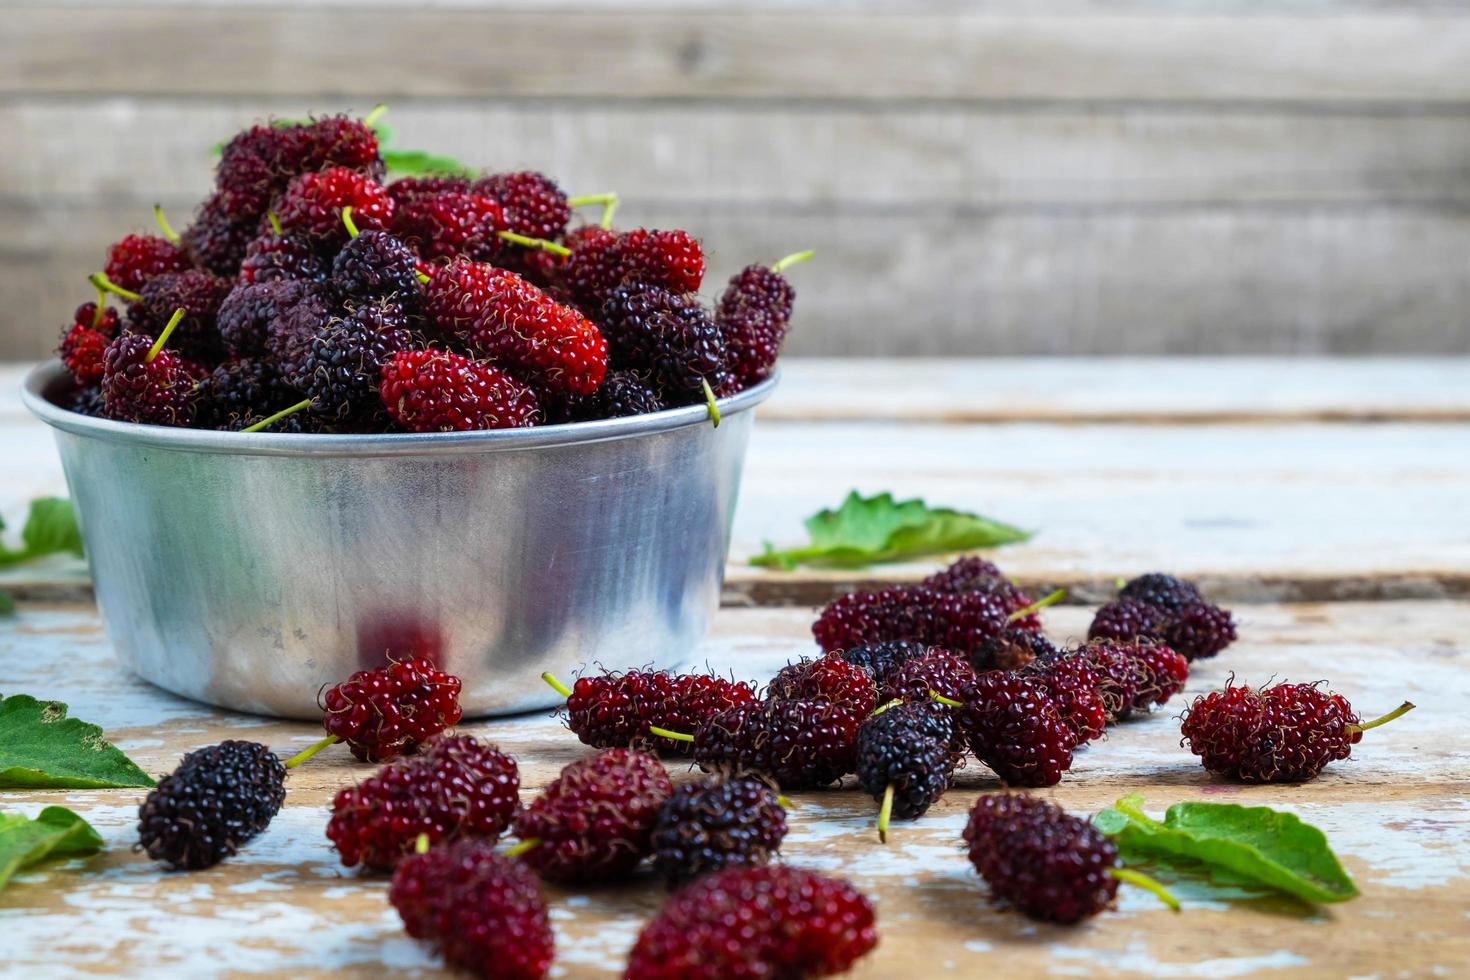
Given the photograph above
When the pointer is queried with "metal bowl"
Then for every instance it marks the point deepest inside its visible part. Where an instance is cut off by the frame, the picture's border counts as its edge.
(247, 570)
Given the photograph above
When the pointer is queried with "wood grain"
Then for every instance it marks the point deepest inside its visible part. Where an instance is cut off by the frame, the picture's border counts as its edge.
(1396, 813)
(727, 54)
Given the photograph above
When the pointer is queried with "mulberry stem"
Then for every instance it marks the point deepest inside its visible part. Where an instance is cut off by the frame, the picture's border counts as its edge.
(105, 284)
(97, 314)
(607, 213)
(347, 220)
(665, 733)
(540, 243)
(1050, 599)
(421, 844)
(586, 199)
(529, 844)
(944, 700)
(1147, 884)
(784, 802)
(884, 812)
(710, 405)
(273, 419)
(795, 258)
(884, 707)
(173, 322)
(307, 753)
(162, 221)
(422, 277)
(275, 223)
(1398, 712)
(556, 685)
(376, 114)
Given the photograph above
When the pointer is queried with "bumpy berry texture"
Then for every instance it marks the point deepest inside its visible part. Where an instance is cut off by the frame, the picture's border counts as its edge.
(968, 574)
(754, 314)
(375, 266)
(958, 622)
(1282, 734)
(512, 322)
(135, 389)
(405, 189)
(452, 225)
(217, 242)
(290, 332)
(746, 923)
(1077, 691)
(908, 747)
(1011, 649)
(717, 823)
(341, 368)
(667, 335)
(88, 401)
(313, 202)
(84, 343)
(1134, 676)
(135, 259)
(257, 164)
(615, 710)
(200, 294)
(240, 388)
(455, 787)
(935, 670)
(595, 822)
(602, 260)
(438, 391)
(272, 257)
(1013, 726)
(482, 912)
(216, 800)
(621, 394)
(1194, 628)
(881, 659)
(799, 744)
(392, 710)
(534, 205)
(1158, 589)
(828, 678)
(247, 313)
(1041, 860)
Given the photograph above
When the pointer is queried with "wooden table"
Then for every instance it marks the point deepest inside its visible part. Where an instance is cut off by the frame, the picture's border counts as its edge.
(1325, 500)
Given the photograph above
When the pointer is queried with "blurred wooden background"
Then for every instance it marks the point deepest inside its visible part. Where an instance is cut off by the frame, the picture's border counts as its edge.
(993, 177)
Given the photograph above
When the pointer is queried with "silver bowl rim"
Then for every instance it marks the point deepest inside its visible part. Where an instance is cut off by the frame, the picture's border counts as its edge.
(51, 374)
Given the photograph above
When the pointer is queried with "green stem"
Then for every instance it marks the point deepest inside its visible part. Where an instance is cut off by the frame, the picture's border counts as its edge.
(162, 221)
(540, 243)
(944, 700)
(302, 756)
(106, 285)
(607, 213)
(784, 802)
(101, 309)
(1147, 884)
(665, 733)
(516, 850)
(711, 406)
(273, 419)
(1398, 712)
(275, 223)
(421, 844)
(422, 278)
(884, 707)
(347, 220)
(556, 685)
(885, 811)
(1050, 599)
(586, 199)
(377, 113)
(173, 322)
(795, 258)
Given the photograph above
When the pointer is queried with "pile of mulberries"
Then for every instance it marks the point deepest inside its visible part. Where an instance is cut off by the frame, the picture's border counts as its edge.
(1167, 610)
(319, 297)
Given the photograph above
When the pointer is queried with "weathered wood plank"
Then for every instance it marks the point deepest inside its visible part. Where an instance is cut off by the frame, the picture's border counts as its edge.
(726, 54)
(774, 155)
(1395, 813)
(963, 281)
(1257, 512)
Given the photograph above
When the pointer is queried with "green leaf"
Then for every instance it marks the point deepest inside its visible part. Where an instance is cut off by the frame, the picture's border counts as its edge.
(50, 528)
(56, 832)
(866, 530)
(1258, 844)
(418, 163)
(41, 748)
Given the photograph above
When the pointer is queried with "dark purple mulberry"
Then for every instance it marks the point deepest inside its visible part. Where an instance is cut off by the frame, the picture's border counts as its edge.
(799, 744)
(217, 799)
(341, 368)
(906, 752)
(667, 334)
(717, 823)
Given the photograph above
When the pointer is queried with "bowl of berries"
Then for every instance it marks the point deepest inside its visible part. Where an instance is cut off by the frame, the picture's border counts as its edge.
(342, 421)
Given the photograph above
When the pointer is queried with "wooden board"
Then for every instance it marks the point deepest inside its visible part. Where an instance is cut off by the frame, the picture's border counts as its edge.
(1397, 813)
(1287, 510)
